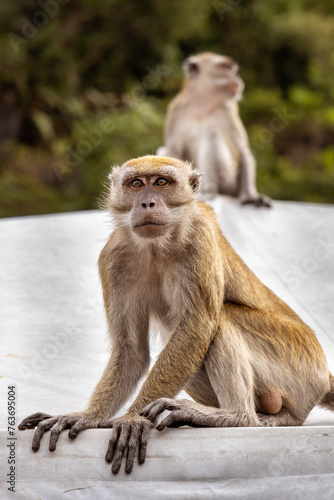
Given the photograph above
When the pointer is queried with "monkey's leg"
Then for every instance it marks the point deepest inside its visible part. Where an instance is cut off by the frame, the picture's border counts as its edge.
(200, 389)
(228, 376)
(226, 164)
(284, 397)
(229, 369)
(185, 412)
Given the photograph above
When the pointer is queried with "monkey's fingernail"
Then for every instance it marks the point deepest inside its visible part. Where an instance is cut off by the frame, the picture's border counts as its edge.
(115, 468)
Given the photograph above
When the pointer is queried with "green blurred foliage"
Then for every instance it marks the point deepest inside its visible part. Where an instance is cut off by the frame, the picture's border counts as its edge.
(85, 85)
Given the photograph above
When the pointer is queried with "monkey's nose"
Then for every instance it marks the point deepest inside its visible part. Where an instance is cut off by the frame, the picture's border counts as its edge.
(150, 205)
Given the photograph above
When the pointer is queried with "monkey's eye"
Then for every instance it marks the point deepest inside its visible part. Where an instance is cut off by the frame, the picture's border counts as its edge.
(136, 183)
(161, 182)
(225, 65)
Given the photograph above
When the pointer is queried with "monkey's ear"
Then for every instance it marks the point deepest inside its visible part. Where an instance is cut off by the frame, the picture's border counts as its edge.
(195, 180)
(114, 174)
(190, 66)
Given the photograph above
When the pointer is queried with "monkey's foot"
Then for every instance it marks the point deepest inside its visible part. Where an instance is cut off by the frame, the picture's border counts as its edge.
(267, 420)
(76, 422)
(258, 201)
(131, 434)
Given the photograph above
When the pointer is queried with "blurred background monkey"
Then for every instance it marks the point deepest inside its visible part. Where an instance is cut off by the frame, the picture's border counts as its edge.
(203, 126)
(237, 349)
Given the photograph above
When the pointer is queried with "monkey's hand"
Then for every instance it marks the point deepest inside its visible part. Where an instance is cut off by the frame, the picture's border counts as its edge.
(259, 201)
(182, 412)
(76, 422)
(129, 433)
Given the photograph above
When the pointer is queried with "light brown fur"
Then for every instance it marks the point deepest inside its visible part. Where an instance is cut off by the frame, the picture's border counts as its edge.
(243, 355)
(203, 126)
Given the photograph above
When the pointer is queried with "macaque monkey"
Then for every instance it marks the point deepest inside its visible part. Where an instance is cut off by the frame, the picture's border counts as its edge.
(238, 350)
(203, 126)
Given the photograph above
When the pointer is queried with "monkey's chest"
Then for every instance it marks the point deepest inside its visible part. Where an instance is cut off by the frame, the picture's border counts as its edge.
(156, 289)
(164, 304)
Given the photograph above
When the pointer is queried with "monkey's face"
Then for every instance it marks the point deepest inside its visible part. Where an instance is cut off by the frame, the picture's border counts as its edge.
(233, 88)
(214, 72)
(221, 68)
(149, 194)
(150, 216)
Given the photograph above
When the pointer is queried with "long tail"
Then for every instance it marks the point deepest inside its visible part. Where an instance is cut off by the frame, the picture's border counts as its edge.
(328, 399)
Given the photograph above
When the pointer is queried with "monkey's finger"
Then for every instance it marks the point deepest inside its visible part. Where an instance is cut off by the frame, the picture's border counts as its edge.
(133, 444)
(76, 428)
(155, 404)
(266, 202)
(180, 423)
(143, 439)
(260, 202)
(174, 416)
(120, 447)
(248, 202)
(154, 409)
(55, 432)
(33, 420)
(107, 424)
(112, 444)
(148, 412)
(39, 432)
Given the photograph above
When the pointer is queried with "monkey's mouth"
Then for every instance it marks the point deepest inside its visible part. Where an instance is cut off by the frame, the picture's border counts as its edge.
(151, 228)
(150, 223)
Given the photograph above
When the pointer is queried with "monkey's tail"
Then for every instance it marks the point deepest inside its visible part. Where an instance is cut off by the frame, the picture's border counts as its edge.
(328, 399)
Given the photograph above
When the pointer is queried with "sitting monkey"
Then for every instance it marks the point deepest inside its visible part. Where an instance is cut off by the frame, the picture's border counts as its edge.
(237, 349)
(203, 126)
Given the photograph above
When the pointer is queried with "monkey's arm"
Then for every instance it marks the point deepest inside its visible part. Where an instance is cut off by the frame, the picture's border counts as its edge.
(170, 119)
(173, 138)
(128, 325)
(247, 174)
(179, 360)
(247, 188)
(126, 365)
(128, 361)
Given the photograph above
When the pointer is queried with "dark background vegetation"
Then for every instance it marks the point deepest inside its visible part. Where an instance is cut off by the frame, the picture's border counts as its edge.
(84, 84)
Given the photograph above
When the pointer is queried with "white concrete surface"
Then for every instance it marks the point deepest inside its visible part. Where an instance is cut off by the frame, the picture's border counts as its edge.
(53, 349)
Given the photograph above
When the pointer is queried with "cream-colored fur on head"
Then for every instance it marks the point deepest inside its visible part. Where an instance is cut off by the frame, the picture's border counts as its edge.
(150, 165)
(120, 204)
